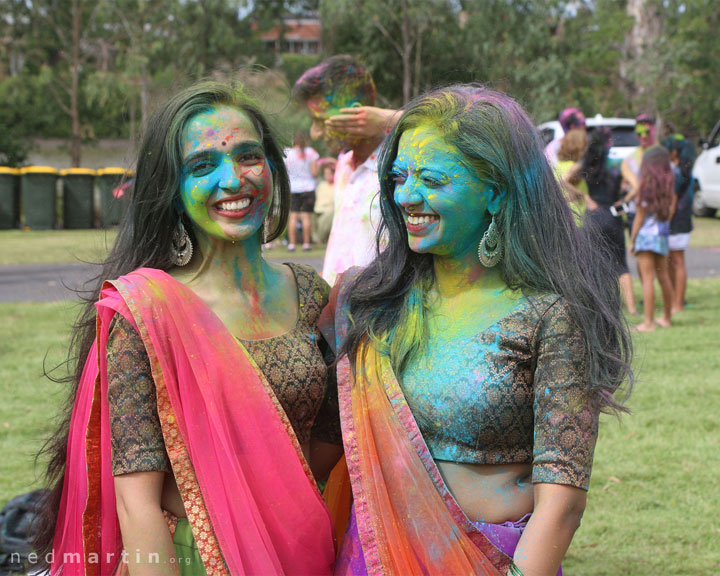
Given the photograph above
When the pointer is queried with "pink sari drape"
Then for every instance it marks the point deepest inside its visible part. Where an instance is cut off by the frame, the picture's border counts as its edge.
(259, 509)
(407, 520)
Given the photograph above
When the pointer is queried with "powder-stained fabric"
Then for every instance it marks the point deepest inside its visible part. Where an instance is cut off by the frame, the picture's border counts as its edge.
(295, 364)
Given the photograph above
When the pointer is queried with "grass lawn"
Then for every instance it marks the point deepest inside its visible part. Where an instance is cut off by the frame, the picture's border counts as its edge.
(22, 247)
(655, 491)
(29, 401)
(706, 232)
(54, 246)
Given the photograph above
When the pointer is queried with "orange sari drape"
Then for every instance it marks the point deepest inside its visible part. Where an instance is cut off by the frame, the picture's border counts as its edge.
(407, 521)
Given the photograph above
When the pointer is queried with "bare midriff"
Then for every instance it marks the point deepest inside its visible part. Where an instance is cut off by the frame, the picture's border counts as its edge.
(491, 493)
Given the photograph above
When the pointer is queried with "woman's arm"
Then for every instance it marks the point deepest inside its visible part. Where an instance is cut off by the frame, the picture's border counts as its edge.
(673, 207)
(556, 515)
(629, 176)
(637, 224)
(145, 534)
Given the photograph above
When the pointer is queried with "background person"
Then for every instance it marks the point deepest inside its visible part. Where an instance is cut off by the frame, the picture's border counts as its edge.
(337, 83)
(570, 119)
(630, 167)
(571, 151)
(650, 232)
(160, 446)
(301, 161)
(604, 191)
(324, 201)
(682, 156)
(484, 276)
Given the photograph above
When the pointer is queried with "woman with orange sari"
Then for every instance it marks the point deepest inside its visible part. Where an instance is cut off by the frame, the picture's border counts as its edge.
(200, 414)
(476, 351)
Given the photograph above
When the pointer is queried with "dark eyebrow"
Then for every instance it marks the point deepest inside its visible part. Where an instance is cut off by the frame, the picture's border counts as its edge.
(237, 148)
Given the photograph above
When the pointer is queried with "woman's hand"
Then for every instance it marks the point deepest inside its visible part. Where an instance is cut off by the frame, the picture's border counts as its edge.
(363, 121)
(556, 515)
(146, 538)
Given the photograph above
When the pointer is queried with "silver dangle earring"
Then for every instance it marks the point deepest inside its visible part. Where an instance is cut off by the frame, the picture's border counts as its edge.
(181, 250)
(490, 248)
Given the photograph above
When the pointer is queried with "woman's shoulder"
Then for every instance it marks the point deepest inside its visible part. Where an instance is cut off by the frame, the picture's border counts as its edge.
(313, 290)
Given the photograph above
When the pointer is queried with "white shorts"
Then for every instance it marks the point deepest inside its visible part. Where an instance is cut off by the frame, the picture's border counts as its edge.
(679, 242)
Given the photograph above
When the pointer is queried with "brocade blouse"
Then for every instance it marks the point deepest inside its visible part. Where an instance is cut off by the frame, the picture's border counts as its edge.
(295, 365)
(517, 392)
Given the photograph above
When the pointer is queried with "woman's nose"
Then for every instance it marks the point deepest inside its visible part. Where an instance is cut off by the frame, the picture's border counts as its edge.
(231, 176)
(407, 195)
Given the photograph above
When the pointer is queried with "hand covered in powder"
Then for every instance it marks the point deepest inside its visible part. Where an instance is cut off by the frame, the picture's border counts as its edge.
(364, 121)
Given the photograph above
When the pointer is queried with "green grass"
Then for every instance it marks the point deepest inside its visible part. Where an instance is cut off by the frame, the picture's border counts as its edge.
(20, 247)
(706, 232)
(62, 246)
(655, 491)
(29, 400)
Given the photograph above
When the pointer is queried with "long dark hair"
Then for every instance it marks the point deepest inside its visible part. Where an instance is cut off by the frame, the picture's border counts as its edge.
(145, 240)
(543, 250)
(657, 182)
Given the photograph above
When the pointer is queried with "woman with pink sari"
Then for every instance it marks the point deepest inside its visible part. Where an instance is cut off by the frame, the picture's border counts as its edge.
(200, 415)
(476, 351)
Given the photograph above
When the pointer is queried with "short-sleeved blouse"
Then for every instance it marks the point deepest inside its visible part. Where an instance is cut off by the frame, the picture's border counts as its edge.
(295, 365)
(517, 393)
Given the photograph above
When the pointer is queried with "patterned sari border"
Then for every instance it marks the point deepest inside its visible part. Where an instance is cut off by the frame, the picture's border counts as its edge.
(187, 483)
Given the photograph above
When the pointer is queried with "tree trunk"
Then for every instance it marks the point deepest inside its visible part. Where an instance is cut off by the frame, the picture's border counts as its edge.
(406, 52)
(75, 84)
(133, 114)
(144, 97)
(418, 62)
(636, 69)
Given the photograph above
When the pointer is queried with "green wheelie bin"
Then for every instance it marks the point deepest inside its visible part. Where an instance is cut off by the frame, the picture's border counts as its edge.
(113, 195)
(38, 197)
(9, 197)
(78, 190)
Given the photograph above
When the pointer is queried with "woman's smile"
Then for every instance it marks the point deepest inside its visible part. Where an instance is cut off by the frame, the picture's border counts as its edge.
(233, 207)
(227, 184)
(420, 223)
(443, 200)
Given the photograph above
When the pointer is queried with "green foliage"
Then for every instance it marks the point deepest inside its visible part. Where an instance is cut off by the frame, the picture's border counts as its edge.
(549, 54)
(14, 144)
(293, 65)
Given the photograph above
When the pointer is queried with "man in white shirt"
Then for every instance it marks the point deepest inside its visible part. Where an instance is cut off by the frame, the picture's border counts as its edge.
(336, 83)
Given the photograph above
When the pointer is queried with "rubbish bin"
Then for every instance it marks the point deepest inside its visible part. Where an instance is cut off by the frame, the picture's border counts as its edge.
(9, 197)
(113, 194)
(78, 184)
(37, 197)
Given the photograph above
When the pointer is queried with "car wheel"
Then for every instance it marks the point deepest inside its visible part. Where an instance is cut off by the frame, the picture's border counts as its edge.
(698, 207)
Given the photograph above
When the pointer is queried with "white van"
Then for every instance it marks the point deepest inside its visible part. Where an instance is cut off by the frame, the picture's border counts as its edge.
(624, 140)
(706, 173)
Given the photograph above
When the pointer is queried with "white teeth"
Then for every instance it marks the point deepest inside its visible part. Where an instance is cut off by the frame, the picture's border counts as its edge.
(417, 220)
(235, 205)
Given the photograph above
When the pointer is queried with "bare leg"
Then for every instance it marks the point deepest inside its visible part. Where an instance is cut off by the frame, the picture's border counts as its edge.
(306, 226)
(646, 265)
(627, 292)
(678, 276)
(292, 230)
(663, 274)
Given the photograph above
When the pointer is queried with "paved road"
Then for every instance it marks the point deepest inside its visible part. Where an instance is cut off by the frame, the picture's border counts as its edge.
(44, 283)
